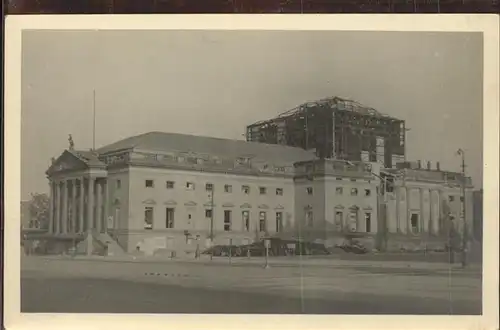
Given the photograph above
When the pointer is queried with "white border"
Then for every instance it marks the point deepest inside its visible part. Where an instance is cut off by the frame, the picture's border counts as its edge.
(488, 24)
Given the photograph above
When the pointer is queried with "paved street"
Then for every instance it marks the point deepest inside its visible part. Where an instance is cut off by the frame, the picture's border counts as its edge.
(176, 287)
(116, 296)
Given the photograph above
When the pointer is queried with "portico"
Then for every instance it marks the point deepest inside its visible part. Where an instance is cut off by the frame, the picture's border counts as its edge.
(78, 195)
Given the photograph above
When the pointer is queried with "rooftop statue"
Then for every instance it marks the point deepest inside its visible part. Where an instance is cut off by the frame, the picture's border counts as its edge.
(71, 143)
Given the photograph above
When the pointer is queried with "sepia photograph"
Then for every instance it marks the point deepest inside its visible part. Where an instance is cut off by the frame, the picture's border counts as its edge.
(239, 171)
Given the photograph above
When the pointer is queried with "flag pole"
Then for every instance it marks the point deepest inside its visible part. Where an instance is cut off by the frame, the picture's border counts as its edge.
(94, 118)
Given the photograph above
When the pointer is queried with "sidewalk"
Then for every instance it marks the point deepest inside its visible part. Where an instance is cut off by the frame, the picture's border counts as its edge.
(281, 262)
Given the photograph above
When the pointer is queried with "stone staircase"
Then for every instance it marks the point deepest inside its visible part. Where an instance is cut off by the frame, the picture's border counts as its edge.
(101, 244)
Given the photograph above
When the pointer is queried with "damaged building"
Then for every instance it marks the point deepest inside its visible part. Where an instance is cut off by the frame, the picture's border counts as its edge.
(336, 128)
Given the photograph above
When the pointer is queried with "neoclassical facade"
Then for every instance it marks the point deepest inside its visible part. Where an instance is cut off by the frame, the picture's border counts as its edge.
(163, 192)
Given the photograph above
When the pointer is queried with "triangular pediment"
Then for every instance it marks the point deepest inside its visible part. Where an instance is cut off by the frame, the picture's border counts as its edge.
(66, 162)
(340, 207)
(149, 201)
(263, 206)
(170, 202)
(368, 207)
(190, 203)
(209, 204)
(279, 207)
(246, 206)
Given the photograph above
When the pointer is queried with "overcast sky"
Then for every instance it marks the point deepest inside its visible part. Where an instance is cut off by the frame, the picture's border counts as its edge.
(214, 83)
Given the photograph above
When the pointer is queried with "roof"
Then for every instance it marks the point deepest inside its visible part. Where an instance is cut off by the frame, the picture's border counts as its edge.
(161, 141)
(88, 157)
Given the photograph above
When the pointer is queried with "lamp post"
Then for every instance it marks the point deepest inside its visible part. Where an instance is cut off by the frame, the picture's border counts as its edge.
(461, 153)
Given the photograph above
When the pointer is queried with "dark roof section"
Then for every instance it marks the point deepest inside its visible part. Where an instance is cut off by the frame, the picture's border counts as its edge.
(160, 141)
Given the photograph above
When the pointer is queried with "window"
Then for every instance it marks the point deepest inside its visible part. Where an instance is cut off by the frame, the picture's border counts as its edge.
(309, 190)
(353, 220)
(368, 192)
(279, 222)
(354, 192)
(309, 219)
(338, 220)
(279, 191)
(189, 185)
(338, 179)
(148, 218)
(462, 199)
(451, 198)
(368, 222)
(245, 189)
(170, 184)
(246, 220)
(353, 180)
(228, 188)
(208, 213)
(149, 183)
(390, 184)
(169, 223)
(227, 220)
(339, 190)
(262, 190)
(209, 187)
(118, 184)
(262, 222)
(414, 223)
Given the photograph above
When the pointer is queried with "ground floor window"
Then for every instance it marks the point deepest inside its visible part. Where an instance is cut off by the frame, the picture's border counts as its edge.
(262, 222)
(279, 222)
(338, 220)
(309, 219)
(169, 218)
(414, 223)
(148, 217)
(227, 220)
(246, 220)
(368, 222)
(353, 220)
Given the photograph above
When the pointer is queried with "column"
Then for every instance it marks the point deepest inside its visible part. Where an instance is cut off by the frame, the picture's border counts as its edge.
(398, 207)
(442, 214)
(99, 206)
(57, 207)
(431, 212)
(421, 216)
(90, 203)
(74, 215)
(106, 205)
(408, 211)
(65, 207)
(51, 207)
(82, 199)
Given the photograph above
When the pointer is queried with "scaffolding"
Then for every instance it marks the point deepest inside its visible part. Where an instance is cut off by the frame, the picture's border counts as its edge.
(335, 128)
